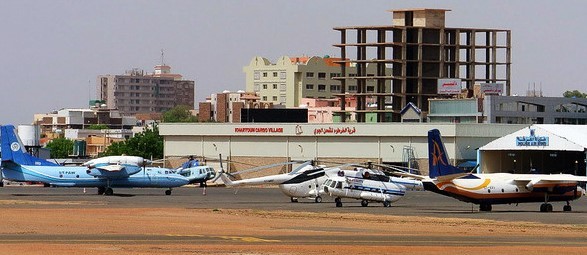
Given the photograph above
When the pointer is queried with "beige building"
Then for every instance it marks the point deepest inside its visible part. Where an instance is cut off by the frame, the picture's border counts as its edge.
(137, 92)
(290, 79)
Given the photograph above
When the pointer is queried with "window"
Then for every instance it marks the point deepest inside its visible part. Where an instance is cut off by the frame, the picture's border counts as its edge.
(264, 74)
(256, 88)
(309, 75)
(370, 88)
(321, 87)
(282, 75)
(335, 88)
(274, 86)
(321, 76)
(282, 87)
(332, 75)
(264, 98)
(274, 74)
(353, 88)
(274, 98)
(282, 99)
(256, 75)
(310, 86)
(264, 86)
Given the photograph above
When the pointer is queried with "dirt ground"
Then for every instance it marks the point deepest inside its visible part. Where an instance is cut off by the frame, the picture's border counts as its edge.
(233, 231)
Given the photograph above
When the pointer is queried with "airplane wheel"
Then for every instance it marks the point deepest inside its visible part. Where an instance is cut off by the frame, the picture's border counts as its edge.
(318, 199)
(364, 203)
(109, 192)
(546, 207)
(386, 204)
(168, 192)
(485, 207)
(101, 190)
(293, 199)
(567, 208)
(339, 204)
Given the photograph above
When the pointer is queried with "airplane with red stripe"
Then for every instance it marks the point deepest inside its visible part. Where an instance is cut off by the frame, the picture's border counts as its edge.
(495, 188)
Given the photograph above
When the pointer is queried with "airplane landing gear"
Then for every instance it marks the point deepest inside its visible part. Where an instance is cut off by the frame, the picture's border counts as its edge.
(168, 192)
(338, 202)
(293, 199)
(485, 207)
(546, 207)
(318, 199)
(386, 204)
(101, 190)
(109, 192)
(567, 208)
(364, 203)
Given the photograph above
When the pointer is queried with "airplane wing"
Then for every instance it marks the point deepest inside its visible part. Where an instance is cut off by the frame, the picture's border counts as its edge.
(111, 168)
(549, 181)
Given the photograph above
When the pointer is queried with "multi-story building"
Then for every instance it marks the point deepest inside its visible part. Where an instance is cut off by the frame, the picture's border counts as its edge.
(420, 50)
(58, 121)
(137, 92)
(226, 106)
(290, 79)
(510, 110)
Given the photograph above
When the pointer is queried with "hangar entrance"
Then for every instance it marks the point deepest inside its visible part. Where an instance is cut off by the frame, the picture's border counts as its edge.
(534, 161)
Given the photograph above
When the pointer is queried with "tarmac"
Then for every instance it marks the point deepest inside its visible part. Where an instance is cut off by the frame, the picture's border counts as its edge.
(414, 203)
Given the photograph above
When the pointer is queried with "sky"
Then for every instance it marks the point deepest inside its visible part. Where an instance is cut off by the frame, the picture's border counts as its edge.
(52, 51)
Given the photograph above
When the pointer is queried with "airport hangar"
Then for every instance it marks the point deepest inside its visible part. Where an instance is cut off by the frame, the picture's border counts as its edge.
(254, 144)
(539, 148)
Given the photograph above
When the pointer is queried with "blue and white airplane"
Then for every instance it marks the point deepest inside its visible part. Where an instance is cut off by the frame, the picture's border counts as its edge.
(104, 173)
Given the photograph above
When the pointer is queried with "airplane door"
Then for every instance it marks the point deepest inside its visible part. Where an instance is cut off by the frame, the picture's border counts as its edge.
(152, 176)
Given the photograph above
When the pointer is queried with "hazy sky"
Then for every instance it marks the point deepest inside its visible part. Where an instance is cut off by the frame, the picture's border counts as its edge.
(52, 51)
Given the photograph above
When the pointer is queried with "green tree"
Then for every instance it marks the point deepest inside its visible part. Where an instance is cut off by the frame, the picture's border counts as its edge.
(180, 113)
(147, 144)
(60, 147)
(575, 94)
(98, 126)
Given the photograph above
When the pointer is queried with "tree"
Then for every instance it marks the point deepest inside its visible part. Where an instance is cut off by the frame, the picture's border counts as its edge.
(147, 144)
(98, 126)
(574, 94)
(180, 113)
(60, 147)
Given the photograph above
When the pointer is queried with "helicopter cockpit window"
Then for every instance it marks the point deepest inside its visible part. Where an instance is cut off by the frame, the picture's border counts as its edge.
(332, 184)
(339, 185)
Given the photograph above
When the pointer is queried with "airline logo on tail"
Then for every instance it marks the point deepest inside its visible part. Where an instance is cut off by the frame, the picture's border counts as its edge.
(437, 155)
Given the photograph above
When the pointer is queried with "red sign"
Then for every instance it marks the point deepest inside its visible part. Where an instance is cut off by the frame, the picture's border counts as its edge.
(259, 130)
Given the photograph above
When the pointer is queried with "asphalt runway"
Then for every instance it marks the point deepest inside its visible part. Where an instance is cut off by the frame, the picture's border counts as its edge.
(415, 203)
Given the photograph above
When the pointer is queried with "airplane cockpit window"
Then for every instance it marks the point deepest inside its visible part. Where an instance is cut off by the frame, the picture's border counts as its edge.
(332, 184)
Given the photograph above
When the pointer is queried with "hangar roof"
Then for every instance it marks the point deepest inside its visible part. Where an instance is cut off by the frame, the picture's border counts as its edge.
(549, 137)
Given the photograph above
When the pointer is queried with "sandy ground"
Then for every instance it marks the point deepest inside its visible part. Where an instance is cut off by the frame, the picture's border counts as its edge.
(234, 231)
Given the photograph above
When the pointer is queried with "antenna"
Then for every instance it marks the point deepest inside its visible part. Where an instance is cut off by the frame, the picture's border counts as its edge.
(162, 57)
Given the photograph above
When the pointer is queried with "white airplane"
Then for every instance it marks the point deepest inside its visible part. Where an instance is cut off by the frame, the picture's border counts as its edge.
(368, 185)
(497, 188)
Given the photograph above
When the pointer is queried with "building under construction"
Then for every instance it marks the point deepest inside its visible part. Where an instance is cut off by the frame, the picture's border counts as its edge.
(420, 50)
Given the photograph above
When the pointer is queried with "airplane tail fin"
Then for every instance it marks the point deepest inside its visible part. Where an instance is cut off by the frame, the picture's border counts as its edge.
(14, 151)
(437, 157)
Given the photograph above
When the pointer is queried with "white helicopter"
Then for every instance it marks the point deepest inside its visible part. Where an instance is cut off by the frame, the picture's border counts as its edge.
(302, 182)
(367, 185)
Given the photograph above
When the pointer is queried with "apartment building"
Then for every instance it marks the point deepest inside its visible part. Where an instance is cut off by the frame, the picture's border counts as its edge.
(290, 79)
(139, 92)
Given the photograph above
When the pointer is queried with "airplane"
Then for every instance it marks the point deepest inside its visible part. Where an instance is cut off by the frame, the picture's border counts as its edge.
(495, 188)
(368, 185)
(104, 173)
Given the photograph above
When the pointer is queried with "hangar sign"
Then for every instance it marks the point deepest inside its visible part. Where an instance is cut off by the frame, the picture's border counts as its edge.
(531, 140)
